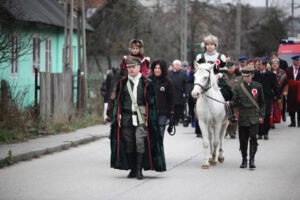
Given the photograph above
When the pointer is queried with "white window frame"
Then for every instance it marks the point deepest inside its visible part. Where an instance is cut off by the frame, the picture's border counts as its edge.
(14, 54)
(36, 52)
(48, 57)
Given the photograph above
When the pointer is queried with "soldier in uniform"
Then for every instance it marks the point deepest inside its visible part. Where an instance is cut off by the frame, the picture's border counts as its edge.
(233, 79)
(136, 141)
(249, 98)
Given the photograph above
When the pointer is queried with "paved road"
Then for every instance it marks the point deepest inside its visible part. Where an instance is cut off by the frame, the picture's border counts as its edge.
(83, 173)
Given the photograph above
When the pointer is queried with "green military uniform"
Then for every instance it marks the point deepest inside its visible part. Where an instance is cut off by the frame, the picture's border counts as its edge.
(233, 80)
(249, 115)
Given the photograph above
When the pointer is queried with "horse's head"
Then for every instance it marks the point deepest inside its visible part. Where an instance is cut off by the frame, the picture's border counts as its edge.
(203, 79)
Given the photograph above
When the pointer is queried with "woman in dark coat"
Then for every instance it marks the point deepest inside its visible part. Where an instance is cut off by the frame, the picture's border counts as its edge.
(163, 92)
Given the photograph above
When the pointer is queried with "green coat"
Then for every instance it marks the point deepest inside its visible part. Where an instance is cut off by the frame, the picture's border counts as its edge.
(248, 114)
(154, 158)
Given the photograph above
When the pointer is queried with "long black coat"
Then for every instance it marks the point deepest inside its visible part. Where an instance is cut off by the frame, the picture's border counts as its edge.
(269, 84)
(178, 79)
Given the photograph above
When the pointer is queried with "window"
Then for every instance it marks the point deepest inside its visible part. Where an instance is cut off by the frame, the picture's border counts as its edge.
(48, 54)
(36, 41)
(14, 54)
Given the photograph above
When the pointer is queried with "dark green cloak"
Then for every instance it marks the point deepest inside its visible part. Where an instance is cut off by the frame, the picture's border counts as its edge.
(154, 158)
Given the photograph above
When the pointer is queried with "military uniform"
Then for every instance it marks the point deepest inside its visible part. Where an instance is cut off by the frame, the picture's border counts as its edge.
(233, 80)
(248, 115)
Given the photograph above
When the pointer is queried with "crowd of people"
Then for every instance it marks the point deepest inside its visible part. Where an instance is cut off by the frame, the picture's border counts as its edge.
(143, 97)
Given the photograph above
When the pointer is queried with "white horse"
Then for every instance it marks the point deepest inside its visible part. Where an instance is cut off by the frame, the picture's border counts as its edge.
(210, 112)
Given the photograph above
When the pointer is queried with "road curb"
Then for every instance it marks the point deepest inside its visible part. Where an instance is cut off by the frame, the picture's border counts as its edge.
(48, 150)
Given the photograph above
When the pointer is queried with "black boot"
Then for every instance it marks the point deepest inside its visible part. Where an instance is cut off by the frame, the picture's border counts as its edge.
(293, 123)
(244, 156)
(283, 117)
(298, 118)
(253, 149)
(244, 163)
(132, 164)
(139, 167)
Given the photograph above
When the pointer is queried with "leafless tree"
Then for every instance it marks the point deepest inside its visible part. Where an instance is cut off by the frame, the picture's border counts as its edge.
(14, 39)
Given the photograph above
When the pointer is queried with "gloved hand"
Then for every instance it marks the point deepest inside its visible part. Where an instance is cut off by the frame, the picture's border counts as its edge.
(171, 120)
(171, 123)
(170, 129)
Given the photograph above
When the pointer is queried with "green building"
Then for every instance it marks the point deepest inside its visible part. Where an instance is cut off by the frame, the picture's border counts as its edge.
(42, 32)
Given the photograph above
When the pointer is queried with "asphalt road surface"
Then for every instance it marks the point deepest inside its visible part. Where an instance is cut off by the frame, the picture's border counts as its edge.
(84, 173)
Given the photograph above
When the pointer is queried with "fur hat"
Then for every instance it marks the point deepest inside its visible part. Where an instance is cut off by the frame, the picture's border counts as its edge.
(211, 39)
(138, 43)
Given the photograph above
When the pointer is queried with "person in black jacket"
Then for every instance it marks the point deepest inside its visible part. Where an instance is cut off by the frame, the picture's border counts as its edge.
(163, 92)
(178, 78)
(271, 91)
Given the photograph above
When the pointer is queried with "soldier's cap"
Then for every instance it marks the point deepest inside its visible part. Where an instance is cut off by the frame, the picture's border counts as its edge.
(296, 57)
(242, 58)
(229, 64)
(248, 70)
(132, 60)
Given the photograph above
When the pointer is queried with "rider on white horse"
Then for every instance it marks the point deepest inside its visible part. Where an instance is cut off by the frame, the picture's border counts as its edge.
(219, 60)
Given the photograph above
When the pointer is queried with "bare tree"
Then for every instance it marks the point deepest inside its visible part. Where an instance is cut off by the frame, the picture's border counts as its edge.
(14, 39)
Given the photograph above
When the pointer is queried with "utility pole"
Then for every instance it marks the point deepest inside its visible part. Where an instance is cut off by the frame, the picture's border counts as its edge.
(183, 30)
(68, 47)
(238, 29)
(82, 70)
(67, 84)
(292, 28)
(267, 3)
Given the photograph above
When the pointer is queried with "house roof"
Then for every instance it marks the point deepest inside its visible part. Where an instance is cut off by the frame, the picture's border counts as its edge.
(48, 12)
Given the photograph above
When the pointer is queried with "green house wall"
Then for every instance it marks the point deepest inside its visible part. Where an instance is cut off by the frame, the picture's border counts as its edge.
(24, 81)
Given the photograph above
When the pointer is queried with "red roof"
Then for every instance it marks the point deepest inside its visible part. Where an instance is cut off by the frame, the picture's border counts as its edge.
(289, 48)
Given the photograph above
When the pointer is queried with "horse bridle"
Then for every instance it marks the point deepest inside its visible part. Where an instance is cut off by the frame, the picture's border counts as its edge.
(207, 85)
